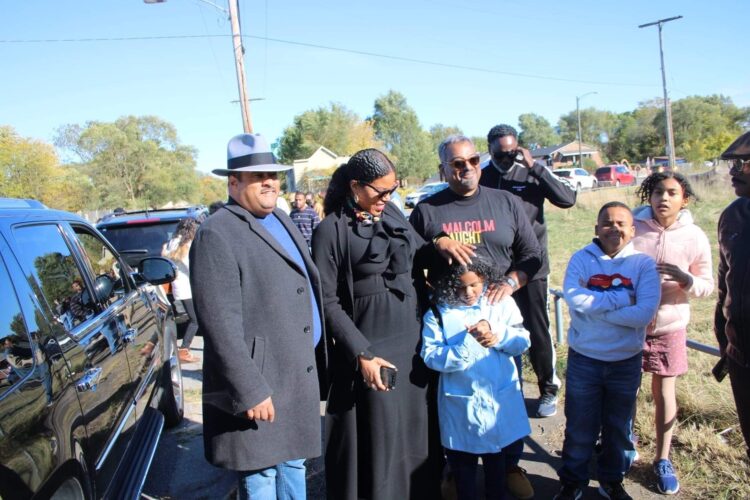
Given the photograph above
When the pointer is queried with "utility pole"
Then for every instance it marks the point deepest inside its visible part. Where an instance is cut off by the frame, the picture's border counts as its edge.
(239, 62)
(667, 105)
(239, 57)
(580, 136)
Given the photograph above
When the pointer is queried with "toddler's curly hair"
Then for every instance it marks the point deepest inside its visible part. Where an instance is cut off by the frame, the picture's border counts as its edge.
(447, 288)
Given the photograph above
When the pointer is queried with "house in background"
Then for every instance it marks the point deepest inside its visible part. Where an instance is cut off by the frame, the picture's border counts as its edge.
(565, 155)
(322, 159)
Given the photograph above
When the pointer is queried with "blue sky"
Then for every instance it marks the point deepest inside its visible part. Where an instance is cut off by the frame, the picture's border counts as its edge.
(480, 51)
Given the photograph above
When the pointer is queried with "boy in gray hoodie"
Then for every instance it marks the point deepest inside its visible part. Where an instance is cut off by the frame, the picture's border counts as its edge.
(612, 292)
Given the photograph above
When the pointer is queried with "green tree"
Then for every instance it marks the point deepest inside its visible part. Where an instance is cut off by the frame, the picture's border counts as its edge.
(397, 126)
(703, 125)
(636, 135)
(597, 127)
(480, 142)
(211, 189)
(536, 132)
(439, 132)
(334, 127)
(27, 166)
(30, 169)
(133, 162)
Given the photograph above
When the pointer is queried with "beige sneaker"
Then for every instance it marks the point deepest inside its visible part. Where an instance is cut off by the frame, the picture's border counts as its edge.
(518, 484)
(184, 354)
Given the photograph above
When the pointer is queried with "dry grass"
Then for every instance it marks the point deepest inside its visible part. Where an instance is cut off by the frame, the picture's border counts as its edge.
(709, 465)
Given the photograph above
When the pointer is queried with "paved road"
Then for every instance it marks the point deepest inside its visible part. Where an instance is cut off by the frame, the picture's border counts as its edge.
(179, 470)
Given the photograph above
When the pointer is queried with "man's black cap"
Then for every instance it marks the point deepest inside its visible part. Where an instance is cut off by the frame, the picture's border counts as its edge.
(739, 149)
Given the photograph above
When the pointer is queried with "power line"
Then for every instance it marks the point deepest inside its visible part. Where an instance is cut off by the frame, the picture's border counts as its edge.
(338, 49)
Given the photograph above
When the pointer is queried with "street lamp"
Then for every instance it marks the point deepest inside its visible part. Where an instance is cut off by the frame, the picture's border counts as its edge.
(580, 136)
(239, 58)
(667, 107)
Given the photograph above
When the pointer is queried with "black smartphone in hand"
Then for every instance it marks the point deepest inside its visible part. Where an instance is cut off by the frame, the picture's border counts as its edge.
(721, 369)
(388, 376)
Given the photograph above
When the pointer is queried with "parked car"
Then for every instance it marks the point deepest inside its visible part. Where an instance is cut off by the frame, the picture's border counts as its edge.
(89, 374)
(143, 233)
(615, 175)
(425, 191)
(578, 178)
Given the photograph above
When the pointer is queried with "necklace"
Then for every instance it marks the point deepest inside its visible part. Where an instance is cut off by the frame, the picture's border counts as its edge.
(363, 217)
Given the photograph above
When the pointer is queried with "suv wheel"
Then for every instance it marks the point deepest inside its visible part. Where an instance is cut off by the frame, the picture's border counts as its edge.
(172, 403)
(617, 183)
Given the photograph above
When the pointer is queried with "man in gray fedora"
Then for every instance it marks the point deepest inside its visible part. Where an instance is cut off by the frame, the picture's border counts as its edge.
(258, 301)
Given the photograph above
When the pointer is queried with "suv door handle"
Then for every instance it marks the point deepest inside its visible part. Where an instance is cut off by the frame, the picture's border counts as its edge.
(129, 336)
(90, 380)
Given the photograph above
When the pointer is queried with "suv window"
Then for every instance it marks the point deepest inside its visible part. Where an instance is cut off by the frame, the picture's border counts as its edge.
(48, 257)
(16, 359)
(603, 170)
(622, 170)
(101, 261)
(139, 241)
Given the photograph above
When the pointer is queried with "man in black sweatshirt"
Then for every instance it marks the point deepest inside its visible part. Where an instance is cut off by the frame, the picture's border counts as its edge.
(493, 225)
(512, 169)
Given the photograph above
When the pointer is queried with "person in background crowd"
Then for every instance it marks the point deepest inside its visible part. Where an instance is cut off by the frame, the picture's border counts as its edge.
(664, 229)
(282, 203)
(494, 224)
(318, 205)
(512, 169)
(732, 318)
(377, 434)
(213, 207)
(177, 249)
(472, 343)
(304, 217)
(612, 292)
(261, 413)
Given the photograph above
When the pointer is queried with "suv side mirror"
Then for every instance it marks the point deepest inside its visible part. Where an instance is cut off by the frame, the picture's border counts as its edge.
(103, 287)
(157, 270)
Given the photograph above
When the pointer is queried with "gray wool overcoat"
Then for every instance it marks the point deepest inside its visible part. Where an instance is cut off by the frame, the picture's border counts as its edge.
(254, 309)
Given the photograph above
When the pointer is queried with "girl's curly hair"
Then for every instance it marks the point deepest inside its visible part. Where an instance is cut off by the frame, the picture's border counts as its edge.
(646, 189)
(447, 288)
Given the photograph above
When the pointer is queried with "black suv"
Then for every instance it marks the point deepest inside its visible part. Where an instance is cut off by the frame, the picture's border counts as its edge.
(143, 234)
(89, 371)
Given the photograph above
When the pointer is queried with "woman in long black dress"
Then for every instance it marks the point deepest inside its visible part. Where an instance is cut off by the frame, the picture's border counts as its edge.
(377, 444)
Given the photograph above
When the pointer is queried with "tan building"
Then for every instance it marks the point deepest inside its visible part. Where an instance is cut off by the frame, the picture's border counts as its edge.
(565, 155)
(322, 159)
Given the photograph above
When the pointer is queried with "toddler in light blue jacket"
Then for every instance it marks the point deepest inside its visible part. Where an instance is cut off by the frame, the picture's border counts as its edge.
(480, 404)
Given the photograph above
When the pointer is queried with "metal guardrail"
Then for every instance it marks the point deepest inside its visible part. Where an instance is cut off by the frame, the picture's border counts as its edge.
(557, 296)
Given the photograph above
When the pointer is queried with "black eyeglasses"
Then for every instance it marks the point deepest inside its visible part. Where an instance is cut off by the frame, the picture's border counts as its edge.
(739, 165)
(460, 163)
(381, 193)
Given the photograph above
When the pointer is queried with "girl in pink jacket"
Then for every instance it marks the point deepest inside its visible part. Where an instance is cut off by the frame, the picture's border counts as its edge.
(664, 230)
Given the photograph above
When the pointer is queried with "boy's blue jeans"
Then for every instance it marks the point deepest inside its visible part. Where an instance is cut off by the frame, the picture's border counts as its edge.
(285, 481)
(599, 396)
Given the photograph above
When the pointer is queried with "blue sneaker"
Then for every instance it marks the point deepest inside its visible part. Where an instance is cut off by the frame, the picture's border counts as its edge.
(666, 480)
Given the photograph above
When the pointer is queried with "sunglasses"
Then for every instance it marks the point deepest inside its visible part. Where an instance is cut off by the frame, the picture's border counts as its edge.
(460, 163)
(381, 193)
(504, 155)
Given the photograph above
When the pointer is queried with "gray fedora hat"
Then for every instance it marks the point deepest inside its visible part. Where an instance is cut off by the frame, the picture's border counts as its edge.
(250, 153)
